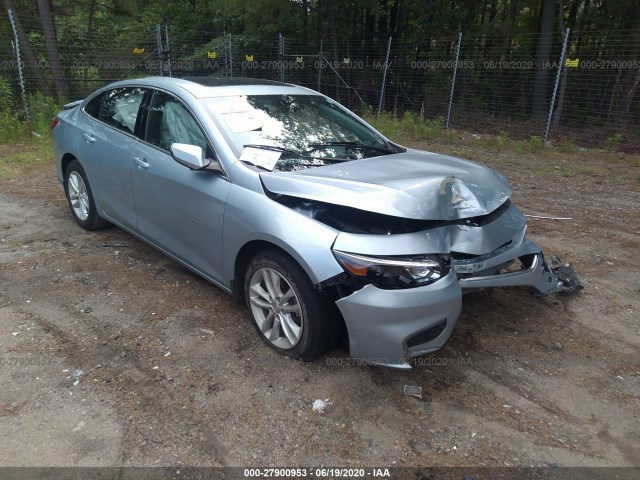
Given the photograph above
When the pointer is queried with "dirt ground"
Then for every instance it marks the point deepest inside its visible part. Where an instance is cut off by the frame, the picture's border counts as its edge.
(112, 354)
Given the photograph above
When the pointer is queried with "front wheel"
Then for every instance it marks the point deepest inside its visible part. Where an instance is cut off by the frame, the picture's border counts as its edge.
(80, 197)
(289, 315)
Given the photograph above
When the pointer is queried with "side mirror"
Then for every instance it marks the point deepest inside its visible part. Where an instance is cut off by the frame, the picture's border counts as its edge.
(190, 156)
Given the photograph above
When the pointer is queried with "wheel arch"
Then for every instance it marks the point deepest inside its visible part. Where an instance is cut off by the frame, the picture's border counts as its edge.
(245, 254)
(67, 158)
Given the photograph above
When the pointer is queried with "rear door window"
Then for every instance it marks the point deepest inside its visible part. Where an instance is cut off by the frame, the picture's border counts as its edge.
(120, 108)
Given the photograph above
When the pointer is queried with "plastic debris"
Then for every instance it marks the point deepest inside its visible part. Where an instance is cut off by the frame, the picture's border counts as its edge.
(207, 331)
(413, 391)
(544, 217)
(320, 405)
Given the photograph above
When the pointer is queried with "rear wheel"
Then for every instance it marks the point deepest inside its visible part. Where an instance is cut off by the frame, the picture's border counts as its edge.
(289, 315)
(80, 197)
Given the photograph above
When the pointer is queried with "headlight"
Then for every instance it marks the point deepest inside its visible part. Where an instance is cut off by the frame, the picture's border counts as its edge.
(394, 272)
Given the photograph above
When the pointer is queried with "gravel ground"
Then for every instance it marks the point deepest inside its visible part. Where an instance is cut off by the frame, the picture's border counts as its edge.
(114, 355)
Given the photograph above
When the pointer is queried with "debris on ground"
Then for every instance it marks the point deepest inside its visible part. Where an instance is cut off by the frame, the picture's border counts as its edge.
(413, 391)
(319, 406)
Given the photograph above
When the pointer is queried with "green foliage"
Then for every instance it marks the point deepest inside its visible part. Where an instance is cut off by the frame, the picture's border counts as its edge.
(7, 102)
(386, 124)
(10, 124)
(366, 111)
(43, 110)
(536, 143)
(412, 128)
(503, 138)
(612, 143)
(567, 147)
(11, 127)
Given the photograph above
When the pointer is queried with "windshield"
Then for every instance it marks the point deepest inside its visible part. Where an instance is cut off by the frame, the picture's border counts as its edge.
(293, 132)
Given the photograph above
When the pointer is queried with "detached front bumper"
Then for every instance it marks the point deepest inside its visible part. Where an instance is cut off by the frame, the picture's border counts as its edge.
(388, 327)
(492, 270)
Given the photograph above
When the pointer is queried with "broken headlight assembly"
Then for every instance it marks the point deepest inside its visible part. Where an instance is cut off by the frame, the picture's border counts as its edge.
(393, 272)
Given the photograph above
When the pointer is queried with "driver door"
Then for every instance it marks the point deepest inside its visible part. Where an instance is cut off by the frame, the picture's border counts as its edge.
(177, 209)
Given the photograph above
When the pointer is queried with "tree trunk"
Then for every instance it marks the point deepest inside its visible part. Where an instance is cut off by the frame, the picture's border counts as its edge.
(88, 43)
(30, 57)
(334, 38)
(305, 19)
(383, 21)
(632, 77)
(394, 15)
(52, 48)
(540, 98)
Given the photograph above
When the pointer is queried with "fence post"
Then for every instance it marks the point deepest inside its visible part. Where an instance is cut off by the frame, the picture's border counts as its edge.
(230, 57)
(320, 57)
(453, 80)
(167, 50)
(159, 43)
(384, 76)
(23, 91)
(281, 55)
(555, 85)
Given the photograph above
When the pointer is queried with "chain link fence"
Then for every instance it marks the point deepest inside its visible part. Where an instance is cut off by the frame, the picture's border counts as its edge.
(584, 93)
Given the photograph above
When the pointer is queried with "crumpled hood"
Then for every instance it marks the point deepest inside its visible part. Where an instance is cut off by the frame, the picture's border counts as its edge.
(414, 184)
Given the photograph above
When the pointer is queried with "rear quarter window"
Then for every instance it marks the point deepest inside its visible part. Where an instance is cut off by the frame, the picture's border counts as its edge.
(93, 106)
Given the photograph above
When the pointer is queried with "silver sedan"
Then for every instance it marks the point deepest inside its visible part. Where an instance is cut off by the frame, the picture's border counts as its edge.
(298, 208)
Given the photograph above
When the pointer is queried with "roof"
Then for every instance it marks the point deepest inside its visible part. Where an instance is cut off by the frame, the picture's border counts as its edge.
(232, 81)
(203, 87)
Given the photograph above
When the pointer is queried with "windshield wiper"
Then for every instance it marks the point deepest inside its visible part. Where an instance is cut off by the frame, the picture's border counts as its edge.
(275, 148)
(315, 146)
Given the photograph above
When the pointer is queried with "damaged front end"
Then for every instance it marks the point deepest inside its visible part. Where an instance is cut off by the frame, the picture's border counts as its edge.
(404, 276)
(391, 326)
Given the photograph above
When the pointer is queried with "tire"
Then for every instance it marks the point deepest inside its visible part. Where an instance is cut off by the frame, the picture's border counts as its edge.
(80, 198)
(300, 324)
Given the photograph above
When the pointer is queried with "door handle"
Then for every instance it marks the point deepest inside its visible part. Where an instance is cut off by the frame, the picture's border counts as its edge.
(141, 162)
(88, 138)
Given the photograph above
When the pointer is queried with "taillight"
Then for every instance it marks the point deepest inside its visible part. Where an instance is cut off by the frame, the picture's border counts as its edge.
(55, 123)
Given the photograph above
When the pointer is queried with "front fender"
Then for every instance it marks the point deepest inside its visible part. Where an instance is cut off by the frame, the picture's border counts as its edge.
(251, 216)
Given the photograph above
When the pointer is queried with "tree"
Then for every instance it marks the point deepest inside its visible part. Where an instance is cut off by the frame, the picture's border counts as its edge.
(52, 48)
(540, 98)
(25, 46)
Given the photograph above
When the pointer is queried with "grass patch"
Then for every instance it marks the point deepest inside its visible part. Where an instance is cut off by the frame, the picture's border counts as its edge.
(19, 158)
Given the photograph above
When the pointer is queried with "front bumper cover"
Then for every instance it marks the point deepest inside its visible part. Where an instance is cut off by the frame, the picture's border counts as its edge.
(388, 327)
(381, 322)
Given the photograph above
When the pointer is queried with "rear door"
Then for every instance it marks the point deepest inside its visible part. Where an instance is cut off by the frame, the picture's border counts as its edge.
(106, 144)
(179, 210)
